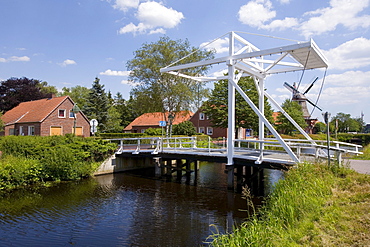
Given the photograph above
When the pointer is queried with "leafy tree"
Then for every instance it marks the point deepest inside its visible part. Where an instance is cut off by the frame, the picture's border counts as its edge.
(346, 123)
(153, 131)
(97, 105)
(114, 120)
(17, 90)
(1, 122)
(161, 92)
(320, 127)
(124, 109)
(294, 110)
(78, 94)
(184, 128)
(217, 110)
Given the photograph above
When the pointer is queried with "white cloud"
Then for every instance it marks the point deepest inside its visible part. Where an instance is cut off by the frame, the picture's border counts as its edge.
(124, 5)
(15, 59)
(349, 55)
(343, 12)
(348, 13)
(67, 62)
(256, 13)
(130, 83)
(153, 18)
(349, 78)
(219, 45)
(109, 72)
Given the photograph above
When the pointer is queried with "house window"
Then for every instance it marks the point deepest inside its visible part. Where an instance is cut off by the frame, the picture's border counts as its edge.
(31, 130)
(71, 114)
(209, 131)
(11, 131)
(201, 130)
(21, 131)
(201, 116)
(61, 113)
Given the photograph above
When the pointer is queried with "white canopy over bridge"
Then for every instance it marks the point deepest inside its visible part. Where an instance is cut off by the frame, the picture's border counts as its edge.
(245, 59)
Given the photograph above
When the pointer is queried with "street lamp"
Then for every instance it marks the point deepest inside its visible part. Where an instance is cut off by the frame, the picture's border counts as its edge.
(326, 116)
(170, 118)
(75, 110)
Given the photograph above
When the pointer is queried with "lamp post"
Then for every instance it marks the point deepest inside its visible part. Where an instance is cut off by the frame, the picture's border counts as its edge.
(326, 116)
(75, 110)
(170, 118)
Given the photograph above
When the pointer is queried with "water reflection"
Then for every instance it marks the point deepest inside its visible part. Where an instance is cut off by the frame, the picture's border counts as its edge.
(122, 210)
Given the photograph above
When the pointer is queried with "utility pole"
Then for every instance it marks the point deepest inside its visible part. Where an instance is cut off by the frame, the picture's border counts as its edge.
(326, 117)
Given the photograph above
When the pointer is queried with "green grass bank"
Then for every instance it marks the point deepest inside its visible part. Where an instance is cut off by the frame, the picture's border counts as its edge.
(27, 160)
(315, 205)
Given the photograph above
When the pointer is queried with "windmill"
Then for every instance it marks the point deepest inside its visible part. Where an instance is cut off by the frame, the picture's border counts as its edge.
(301, 98)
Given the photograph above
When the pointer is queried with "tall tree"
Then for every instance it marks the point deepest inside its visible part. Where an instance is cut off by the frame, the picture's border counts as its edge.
(124, 110)
(16, 90)
(294, 110)
(346, 123)
(78, 94)
(1, 122)
(217, 105)
(97, 105)
(160, 91)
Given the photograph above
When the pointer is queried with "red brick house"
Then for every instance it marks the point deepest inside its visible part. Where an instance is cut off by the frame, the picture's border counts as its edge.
(45, 117)
(151, 120)
(203, 125)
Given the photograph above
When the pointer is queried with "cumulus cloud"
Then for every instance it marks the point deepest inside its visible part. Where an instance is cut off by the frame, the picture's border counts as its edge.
(130, 83)
(352, 78)
(67, 62)
(219, 45)
(345, 12)
(109, 72)
(256, 13)
(348, 13)
(15, 59)
(153, 18)
(349, 55)
(124, 5)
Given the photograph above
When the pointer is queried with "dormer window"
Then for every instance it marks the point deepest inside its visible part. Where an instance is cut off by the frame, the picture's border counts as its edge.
(61, 113)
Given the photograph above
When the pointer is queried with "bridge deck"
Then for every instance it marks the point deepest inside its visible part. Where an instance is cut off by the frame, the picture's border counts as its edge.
(271, 159)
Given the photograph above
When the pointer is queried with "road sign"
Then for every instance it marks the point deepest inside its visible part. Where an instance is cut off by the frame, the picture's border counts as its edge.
(93, 126)
(162, 123)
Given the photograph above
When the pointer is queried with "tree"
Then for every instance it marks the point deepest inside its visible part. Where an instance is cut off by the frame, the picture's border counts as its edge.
(294, 110)
(184, 128)
(17, 90)
(217, 105)
(125, 110)
(1, 122)
(78, 94)
(346, 123)
(114, 120)
(162, 92)
(97, 105)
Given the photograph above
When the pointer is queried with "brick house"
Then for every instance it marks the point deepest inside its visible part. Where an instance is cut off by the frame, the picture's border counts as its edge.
(45, 117)
(151, 120)
(204, 125)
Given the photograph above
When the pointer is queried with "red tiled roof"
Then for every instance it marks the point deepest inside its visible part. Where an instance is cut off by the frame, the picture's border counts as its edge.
(32, 111)
(153, 118)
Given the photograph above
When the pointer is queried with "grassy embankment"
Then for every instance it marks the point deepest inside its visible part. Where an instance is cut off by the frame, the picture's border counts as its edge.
(28, 160)
(314, 205)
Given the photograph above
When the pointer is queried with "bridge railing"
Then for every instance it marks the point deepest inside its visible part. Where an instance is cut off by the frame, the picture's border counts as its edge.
(302, 147)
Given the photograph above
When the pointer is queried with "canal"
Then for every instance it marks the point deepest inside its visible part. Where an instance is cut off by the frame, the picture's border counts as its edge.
(124, 209)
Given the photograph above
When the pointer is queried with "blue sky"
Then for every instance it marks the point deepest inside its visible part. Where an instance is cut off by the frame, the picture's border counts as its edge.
(70, 42)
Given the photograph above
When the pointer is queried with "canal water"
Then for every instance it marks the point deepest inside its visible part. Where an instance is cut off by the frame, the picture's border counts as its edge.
(125, 209)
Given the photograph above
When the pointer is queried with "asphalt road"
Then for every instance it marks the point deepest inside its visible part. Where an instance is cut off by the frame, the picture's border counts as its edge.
(361, 166)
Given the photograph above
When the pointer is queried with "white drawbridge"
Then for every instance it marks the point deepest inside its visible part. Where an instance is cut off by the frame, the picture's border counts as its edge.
(245, 59)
